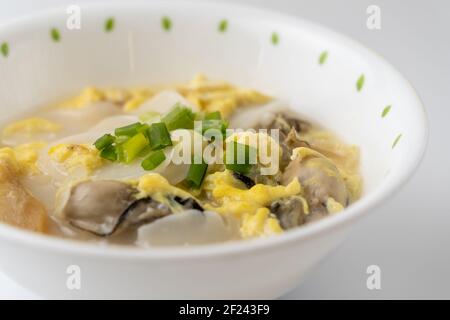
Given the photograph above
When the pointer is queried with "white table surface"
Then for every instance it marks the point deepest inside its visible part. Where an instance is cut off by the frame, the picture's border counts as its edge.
(409, 237)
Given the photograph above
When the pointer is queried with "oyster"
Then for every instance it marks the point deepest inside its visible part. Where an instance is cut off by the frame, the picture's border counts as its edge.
(289, 134)
(290, 211)
(320, 179)
(103, 207)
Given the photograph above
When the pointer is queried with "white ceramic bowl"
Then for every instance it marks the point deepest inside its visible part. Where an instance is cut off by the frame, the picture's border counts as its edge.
(272, 52)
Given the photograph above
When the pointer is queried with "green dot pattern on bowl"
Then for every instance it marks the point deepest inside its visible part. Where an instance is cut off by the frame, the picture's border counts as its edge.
(323, 57)
(4, 49)
(275, 38)
(360, 82)
(55, 35)
(223, 26)
(109, 24)
(396, 141)
(385, 111)
(166, 23)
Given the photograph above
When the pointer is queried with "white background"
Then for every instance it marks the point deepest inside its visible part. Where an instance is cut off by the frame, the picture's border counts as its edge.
(409, 237)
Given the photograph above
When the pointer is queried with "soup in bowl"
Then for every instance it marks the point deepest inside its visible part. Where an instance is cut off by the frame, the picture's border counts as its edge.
(177, 165)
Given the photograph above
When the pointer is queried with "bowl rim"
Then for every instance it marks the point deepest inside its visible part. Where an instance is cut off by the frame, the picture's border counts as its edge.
(381, 192)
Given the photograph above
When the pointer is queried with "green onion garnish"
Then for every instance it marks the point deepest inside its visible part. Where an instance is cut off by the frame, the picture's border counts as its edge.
(129, 130)
(219, 125)
(153, 160)
(143, 128)
(144, 152)
(104, 141)
(121, 139)
(241, 159)
(196, 174)
(109, 153)
(132, 147)
(179, 118)
(159, 136)
(213, 116)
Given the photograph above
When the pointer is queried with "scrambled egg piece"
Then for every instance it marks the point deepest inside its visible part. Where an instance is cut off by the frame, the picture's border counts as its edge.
(333, 206)
(31, 126)
(137, 97)
(208, 95)
(87, 96)
(23, 157)
(226, 198)
(129, 98)
(212, 96)
(76, 155)
(154, 184)
(249, 205)
(259, 224)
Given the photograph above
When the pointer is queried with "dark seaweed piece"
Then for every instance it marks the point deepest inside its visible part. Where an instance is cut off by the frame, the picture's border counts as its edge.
(189, 203)
(244, 179)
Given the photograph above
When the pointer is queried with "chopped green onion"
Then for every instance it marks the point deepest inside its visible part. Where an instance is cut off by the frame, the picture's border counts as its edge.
(104, 141)
(132, 147)
(121, 139)
(153, 160)
(219, 125)
(243, 157)
(241, 168)
(120, 153)
(213, 116)
(109, 153)
(179, 118)
(197, 116)
(129, 130)
(143, 128)
(196, 174)
(144, 152)
(159, 136)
